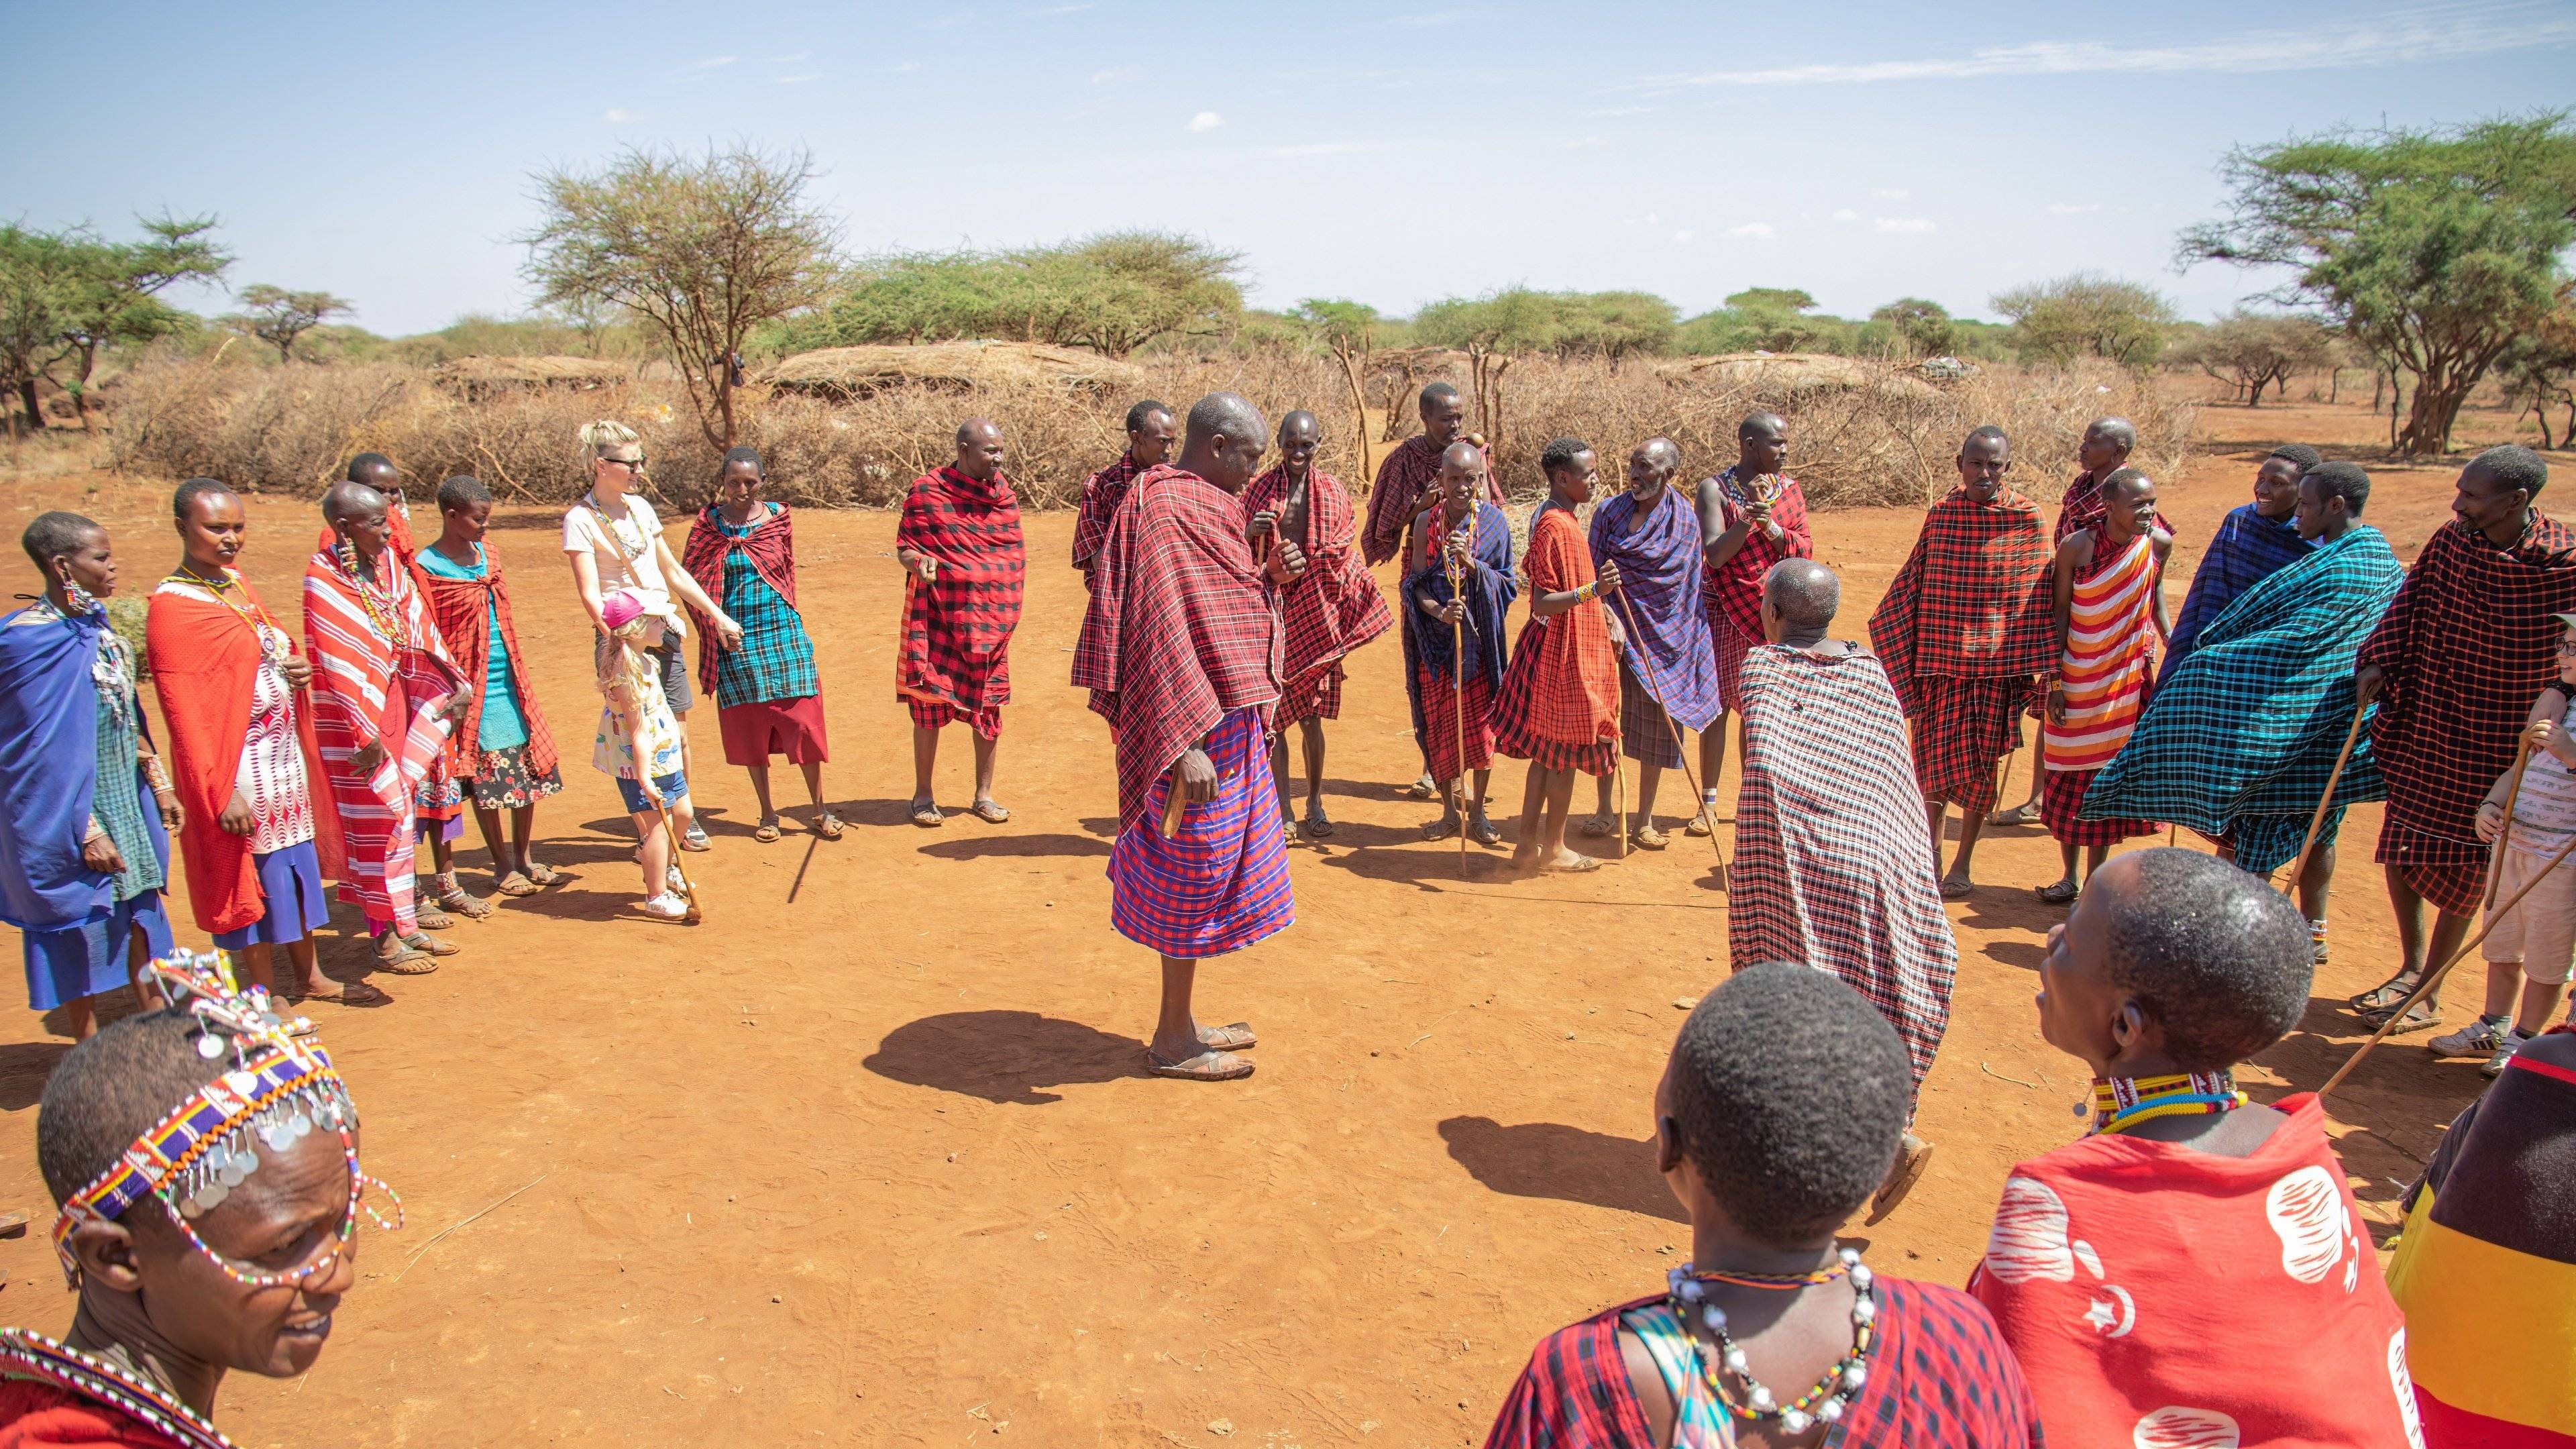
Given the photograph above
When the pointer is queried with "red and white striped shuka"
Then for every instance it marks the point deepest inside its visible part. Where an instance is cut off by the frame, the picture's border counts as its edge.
(2106, 667)
(1832, 867)
(380, 673)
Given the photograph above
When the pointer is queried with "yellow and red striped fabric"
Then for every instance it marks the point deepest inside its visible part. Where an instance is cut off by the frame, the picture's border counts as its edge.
(2108, 660)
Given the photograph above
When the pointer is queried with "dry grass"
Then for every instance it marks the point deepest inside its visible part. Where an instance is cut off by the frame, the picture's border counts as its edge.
(1862, 433)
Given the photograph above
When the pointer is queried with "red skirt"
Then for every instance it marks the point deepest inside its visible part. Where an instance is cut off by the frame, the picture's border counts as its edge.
(1440, 713)
(2064, 795)
(790, 727)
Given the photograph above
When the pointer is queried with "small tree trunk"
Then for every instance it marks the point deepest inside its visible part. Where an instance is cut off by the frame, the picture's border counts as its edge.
(724, 399)
(2437, 407)
(27, 400)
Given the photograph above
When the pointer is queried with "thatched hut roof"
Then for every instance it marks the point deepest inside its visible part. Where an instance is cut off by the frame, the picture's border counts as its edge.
(1789, 372)
(479, 376)
(849, 372)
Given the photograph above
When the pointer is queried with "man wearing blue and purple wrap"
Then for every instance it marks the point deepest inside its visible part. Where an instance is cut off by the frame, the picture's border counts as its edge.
(1667, 664)
(2253, 542)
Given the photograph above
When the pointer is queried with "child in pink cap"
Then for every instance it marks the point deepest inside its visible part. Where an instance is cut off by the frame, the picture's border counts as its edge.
(639, 745)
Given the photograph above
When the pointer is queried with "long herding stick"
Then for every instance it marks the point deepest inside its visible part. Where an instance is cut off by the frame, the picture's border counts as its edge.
(2317, 822)
(2504, 837)
(2433, 978)
(687, 891)
(1648, 679)
(1458, 682)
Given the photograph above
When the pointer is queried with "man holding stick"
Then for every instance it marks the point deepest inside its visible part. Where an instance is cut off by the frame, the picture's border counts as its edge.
(1753, 516)
(1668, 669)
(1458, 587)
(2464, 648)
(1180, 650)
(1408, 481)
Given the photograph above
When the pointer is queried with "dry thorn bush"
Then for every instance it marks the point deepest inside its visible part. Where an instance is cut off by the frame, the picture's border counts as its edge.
(1887, 441)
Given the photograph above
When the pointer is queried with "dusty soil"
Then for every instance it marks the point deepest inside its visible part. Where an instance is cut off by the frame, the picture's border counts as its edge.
(900, 1077)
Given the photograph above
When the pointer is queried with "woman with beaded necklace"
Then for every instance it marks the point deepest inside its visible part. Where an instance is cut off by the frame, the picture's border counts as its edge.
(1777, 1116)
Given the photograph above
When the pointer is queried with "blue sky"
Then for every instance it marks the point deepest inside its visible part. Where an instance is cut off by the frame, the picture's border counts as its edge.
(1392, 155)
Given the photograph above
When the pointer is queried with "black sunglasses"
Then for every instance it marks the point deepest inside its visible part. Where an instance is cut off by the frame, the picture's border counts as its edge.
(632, 464)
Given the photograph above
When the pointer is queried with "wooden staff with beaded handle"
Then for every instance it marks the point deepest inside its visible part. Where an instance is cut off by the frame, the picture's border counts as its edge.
(1458, 678)
(2317, 821)
(1647, 678)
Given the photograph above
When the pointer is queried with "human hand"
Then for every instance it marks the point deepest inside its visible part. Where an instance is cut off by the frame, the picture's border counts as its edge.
(298, 671)
(1287, 563)
(1264, 524)
(1196, 776)
(457, 704)
(2367, 681)
(1450, 612)
(2056, 704)
(925, 568)
(100, 854)
(2540, 735)
(728, 632)
(366, 757)
(1608, 578)
(652, 794)
(2490, 822)
(174, 816)
(237, 818)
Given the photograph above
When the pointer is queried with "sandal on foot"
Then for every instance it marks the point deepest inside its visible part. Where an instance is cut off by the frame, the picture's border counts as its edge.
(515, 885)
(828, 825)
(1915, 1156)
(695, 838)
(1600, 827)
(543, 875)
(422, 940)
(1234, 1037)
(990, 812)
(2059, 892)
(2418, 1018)
(346, 993)
(926, 814)
(1422, 789)
(1317, 825)
(767, 830)
(2018, 815)
(13, 1225)
(1439, 830)
(1704, 823)
(1647, 837)
(1484, 833)
(434, 919)
(405, 960)
(2383, 998)
(1956, 887)
(1208, 1066)
(1581, 865)
(465, 903)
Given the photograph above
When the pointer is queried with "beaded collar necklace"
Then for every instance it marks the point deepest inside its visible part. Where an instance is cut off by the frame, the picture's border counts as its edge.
(380, 611)
(280, 1088)
(2123, 1102)
(255, 614)
(26, 1354)
(1833, 1392)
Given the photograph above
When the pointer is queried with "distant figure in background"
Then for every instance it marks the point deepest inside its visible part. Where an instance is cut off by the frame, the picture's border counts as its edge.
(1408, 481)
(1334, 607)
(1558, 704)
(376, 471)
(501, 753)
(241, 752)
(2110, 611)
(741, 549)
(385, 696)
(1150, 430)
(960, 541)
(1454, 695)
(2253, 541)
(1963, 631)
(1653, 534)
(1753, 516)
(85, 807)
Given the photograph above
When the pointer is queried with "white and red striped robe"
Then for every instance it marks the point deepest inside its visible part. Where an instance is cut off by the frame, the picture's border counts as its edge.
(368, 686)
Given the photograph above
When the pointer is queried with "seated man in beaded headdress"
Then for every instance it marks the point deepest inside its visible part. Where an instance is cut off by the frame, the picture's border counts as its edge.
(2192, 1270)
(206, 1163)
(1778, 1115)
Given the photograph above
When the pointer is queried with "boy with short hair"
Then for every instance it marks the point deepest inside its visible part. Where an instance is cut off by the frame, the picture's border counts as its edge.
(1558, 706)
(2530, 945)
(1777, 1116)
(2193, 1270)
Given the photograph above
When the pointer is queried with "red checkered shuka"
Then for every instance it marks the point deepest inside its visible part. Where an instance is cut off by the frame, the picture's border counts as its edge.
(1335, 606)
(2466, 646)
(957, 628)
(1562, 685)
(1733, 594)
(1398, 495)
(1181, 629)
(2081, 506)
(1972, 600)
(1102, 492)
(463, 610)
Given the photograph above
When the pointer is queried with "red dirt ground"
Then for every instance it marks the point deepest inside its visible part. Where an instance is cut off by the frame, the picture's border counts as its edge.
(900, 1077)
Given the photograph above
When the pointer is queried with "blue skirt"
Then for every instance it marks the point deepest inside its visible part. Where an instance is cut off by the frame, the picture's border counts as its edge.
(290, 881)
(1222, 882)
(85, 960)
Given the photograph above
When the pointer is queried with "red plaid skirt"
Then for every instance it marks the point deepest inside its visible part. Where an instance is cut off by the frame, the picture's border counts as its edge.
(2064, 795)
(1319, 696)
(1962, 728)
(931, 714)
(1440, 706)
(1732, 645)
(2450, 874)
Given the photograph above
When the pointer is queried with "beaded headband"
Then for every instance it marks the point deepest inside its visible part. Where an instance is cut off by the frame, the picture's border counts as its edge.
(278, 1090)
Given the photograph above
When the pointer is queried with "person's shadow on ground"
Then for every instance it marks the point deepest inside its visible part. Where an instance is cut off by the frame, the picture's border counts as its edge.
(1549, 1159)
(1004, 1056)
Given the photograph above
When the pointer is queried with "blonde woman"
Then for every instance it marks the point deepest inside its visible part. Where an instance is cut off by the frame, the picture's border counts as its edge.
(614, 540)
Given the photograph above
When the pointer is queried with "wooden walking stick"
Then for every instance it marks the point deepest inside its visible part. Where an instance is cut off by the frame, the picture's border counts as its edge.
(2512, 796)
(2317, 821)
(1647, 678)
(2433, 978)
(1458, 683)
(688, 892)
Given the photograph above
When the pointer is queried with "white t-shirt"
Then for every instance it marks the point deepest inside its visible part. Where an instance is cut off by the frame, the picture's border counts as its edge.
(631, 561)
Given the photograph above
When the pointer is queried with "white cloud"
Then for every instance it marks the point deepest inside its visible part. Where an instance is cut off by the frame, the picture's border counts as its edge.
(908, 67)
(1321, 148)
(2417, 33)
(791, 59)
(1901, 223)
(619, 118)
(2066, 208)
(712, 62)
(1206, 121)
(798, 80)
(1892, 193)
(1846, 214)
(1683, 236)
(1752, 228)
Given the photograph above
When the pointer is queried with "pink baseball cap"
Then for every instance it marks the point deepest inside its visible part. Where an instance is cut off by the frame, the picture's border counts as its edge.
(620, 609)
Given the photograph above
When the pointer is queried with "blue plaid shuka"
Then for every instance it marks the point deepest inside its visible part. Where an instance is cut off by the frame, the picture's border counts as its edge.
(2240, 737)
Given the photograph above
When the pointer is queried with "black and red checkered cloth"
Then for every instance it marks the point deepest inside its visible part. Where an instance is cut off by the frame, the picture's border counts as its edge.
(2081, 506)
(1181, 629)
(1399, 494)
(2466, 646)
(1335, 606)
(957, 628)
(1102, 492)
(1972, 601)
(1558, 706)
(1733, 594)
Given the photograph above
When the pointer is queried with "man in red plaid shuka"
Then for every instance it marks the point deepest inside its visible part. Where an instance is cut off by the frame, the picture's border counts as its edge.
(1332, 609)
(2463, 650)
(1753, 516)
(1180, 650)
(960, 546)
(1965, 632)
(1408, 481)
(1150, 430)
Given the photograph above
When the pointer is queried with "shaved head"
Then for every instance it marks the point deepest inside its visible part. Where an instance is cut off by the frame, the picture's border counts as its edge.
(1462, 455)
(977, 430)
(1223, 440)
(1804, 593)
(351, 500)
(1300, 423)
(1230, 414)
(1761, 425)
(1662, 452)
(2118, 432)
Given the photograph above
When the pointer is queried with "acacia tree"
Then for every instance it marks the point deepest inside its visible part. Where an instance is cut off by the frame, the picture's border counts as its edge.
(2250, 351)
(279, 317)
(2433, 248)
(1494, 331)
(2540, 367)
(702, 248)
(2087, 314)
(112, 301)
(1918, 328)
(1349, 331)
